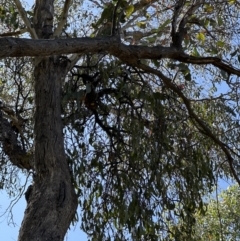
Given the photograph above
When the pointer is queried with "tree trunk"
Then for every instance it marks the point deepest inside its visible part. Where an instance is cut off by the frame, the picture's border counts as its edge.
(52, 202)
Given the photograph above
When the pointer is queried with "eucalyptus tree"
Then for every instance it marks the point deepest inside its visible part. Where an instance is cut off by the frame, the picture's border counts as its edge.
(127, 109)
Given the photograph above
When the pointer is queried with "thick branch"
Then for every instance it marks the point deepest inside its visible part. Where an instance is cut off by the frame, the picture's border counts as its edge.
(16, 47)
(174, 34)
(208, 60)
(19, 47)
(178, 34)
(11, 146)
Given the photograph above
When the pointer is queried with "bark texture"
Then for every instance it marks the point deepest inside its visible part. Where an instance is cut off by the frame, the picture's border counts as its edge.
(51, 199)
(15, 47)
(52, 202)
(11, 146)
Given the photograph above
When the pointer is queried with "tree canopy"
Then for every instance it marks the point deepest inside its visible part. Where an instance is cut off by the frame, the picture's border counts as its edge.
(126, 109)
(221, 221)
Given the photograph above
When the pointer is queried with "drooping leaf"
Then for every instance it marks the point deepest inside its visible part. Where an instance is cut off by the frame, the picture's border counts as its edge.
(162, 26)
(129, 11)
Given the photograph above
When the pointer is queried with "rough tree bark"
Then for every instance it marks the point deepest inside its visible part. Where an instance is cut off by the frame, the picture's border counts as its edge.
(52, 202)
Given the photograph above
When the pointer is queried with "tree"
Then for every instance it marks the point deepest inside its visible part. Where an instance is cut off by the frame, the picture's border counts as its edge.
(221, 221)
(117, 106)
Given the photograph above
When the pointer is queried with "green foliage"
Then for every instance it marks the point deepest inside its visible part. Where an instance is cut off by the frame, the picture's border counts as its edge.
(222, 219)
(141, 161)
(9, 16)
(156, 172)
(129, 11)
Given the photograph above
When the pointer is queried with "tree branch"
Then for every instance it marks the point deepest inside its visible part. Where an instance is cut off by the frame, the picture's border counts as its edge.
(64, 16)
(15, 33)
(174, 34)
(18, 47)
(200, 123)
(11, 147)
(25, 19)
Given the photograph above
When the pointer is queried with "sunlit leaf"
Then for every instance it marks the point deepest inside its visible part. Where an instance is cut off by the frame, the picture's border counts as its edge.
(231, 2)
(200, 36)
(142, 24)
(208, 8)
(129, 11)
(220, 43)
